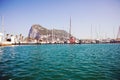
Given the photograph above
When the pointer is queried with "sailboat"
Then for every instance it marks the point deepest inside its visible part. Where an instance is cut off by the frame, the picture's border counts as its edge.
(2, 39)
(118, 36)
(2, 31)
(71, 38)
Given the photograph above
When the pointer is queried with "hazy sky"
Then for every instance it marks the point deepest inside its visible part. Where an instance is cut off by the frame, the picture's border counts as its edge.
(102, 15)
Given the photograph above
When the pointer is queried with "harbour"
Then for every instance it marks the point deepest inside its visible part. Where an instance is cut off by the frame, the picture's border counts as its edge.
(59, 39)
(41, 35)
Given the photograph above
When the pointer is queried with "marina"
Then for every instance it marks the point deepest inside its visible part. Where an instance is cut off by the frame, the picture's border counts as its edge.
(37, 35)
(59, 39)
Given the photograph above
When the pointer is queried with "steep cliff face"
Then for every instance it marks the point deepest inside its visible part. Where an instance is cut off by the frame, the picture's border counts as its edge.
(37, 31)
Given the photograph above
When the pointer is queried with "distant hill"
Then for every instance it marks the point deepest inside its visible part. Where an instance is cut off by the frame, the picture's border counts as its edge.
(37, 32)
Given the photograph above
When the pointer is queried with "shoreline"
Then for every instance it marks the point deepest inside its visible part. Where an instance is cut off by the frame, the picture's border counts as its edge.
(13, 44)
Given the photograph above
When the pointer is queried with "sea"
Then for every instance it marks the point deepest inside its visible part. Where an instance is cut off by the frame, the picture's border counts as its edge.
(60, 62)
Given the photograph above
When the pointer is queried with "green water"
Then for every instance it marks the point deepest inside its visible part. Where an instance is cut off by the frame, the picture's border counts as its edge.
(60, 62)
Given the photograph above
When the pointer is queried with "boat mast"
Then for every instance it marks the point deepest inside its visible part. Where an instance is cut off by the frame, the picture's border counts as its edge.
(47, 36)
(113, 33)
(2, 27)
(3, 24)
(52, 35)
(96, 30)
(70, 28)
(91, 32)
(99, 32)
(118, 35)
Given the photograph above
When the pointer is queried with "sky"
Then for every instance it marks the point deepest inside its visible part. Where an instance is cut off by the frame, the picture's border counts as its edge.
(89, 18)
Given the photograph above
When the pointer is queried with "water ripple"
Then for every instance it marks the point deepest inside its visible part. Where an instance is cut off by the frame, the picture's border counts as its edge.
(60, 62)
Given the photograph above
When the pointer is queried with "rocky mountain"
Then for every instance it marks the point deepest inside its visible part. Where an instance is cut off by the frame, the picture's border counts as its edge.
(38, 32)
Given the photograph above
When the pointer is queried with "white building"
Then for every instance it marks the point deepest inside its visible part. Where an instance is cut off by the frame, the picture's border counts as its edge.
(1, 37)
(12, 39)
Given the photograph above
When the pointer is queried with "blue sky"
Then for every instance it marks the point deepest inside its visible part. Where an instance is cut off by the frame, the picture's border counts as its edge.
(103, 15)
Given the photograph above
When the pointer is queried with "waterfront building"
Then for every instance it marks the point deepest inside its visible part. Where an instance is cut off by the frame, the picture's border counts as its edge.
(1, 37)
(12, 39)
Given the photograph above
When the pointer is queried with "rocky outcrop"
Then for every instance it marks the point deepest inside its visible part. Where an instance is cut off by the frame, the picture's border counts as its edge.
(38, 32)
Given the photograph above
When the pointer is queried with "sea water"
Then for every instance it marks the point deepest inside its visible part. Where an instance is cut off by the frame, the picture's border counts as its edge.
(60, 62)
